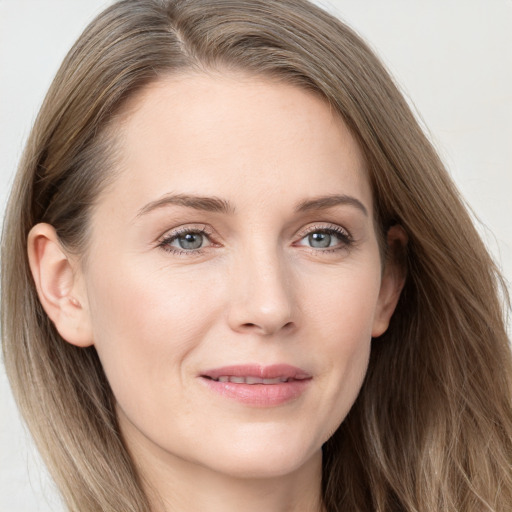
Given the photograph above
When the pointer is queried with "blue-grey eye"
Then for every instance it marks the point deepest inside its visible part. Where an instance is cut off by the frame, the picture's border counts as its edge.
(326, 238)
(190, 241)
(320, 240)
(186, 240)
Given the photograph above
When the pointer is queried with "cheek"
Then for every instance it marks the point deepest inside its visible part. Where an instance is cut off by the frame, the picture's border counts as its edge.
(341, 320)
(343, 304)
(145, 323)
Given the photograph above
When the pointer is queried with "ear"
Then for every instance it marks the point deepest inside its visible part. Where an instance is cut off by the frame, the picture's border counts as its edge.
(393, 279)
(58, 285)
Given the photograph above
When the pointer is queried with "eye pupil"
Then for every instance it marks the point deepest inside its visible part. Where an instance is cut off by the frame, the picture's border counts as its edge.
(191, 241)
(320, 240)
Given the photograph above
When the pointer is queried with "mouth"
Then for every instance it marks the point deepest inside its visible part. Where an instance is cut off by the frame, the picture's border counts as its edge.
(260, 386)
(249, 379)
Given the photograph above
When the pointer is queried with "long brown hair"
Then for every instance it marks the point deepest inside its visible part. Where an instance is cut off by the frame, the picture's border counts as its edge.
(432, 427)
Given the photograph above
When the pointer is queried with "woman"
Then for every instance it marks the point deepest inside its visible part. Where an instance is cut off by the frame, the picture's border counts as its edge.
(247, 279)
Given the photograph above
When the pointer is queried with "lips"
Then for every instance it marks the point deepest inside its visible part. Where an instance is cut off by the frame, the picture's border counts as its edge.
(261, 386)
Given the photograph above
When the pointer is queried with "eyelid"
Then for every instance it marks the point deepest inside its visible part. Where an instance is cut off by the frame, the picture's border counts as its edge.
(185, 228)
(312, 228)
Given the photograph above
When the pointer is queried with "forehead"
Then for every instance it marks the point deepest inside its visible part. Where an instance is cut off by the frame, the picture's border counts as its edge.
(235, 136)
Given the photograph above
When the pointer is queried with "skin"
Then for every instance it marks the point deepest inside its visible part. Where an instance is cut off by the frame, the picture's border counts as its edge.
(258, 291)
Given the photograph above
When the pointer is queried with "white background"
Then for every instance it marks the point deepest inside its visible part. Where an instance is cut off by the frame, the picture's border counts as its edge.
(452, 58)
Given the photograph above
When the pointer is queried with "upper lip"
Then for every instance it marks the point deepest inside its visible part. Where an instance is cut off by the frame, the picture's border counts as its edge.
(284, 371)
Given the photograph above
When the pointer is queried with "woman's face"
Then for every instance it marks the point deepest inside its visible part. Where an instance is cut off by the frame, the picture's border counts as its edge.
(233, 280)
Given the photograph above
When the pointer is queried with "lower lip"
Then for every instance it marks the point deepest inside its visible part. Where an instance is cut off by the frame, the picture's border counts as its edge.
(259, 395)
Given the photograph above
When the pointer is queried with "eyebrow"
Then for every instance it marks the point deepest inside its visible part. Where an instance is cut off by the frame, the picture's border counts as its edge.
(208, 204)
(326, 202)
(215, 204)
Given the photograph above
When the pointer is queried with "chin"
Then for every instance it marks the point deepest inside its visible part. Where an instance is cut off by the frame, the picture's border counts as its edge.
(260, 468)
(265, 456)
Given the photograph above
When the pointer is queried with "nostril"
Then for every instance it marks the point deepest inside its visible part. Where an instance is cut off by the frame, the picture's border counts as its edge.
(267, 329)
(289, 326)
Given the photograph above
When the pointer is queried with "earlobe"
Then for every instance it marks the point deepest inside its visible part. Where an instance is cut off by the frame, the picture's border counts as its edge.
(393, 280)
(57, 285)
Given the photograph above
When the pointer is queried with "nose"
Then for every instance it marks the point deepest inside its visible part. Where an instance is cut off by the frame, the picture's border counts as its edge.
(261, 296)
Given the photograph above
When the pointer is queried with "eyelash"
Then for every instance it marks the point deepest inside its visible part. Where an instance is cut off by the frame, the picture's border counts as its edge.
(346, 240)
